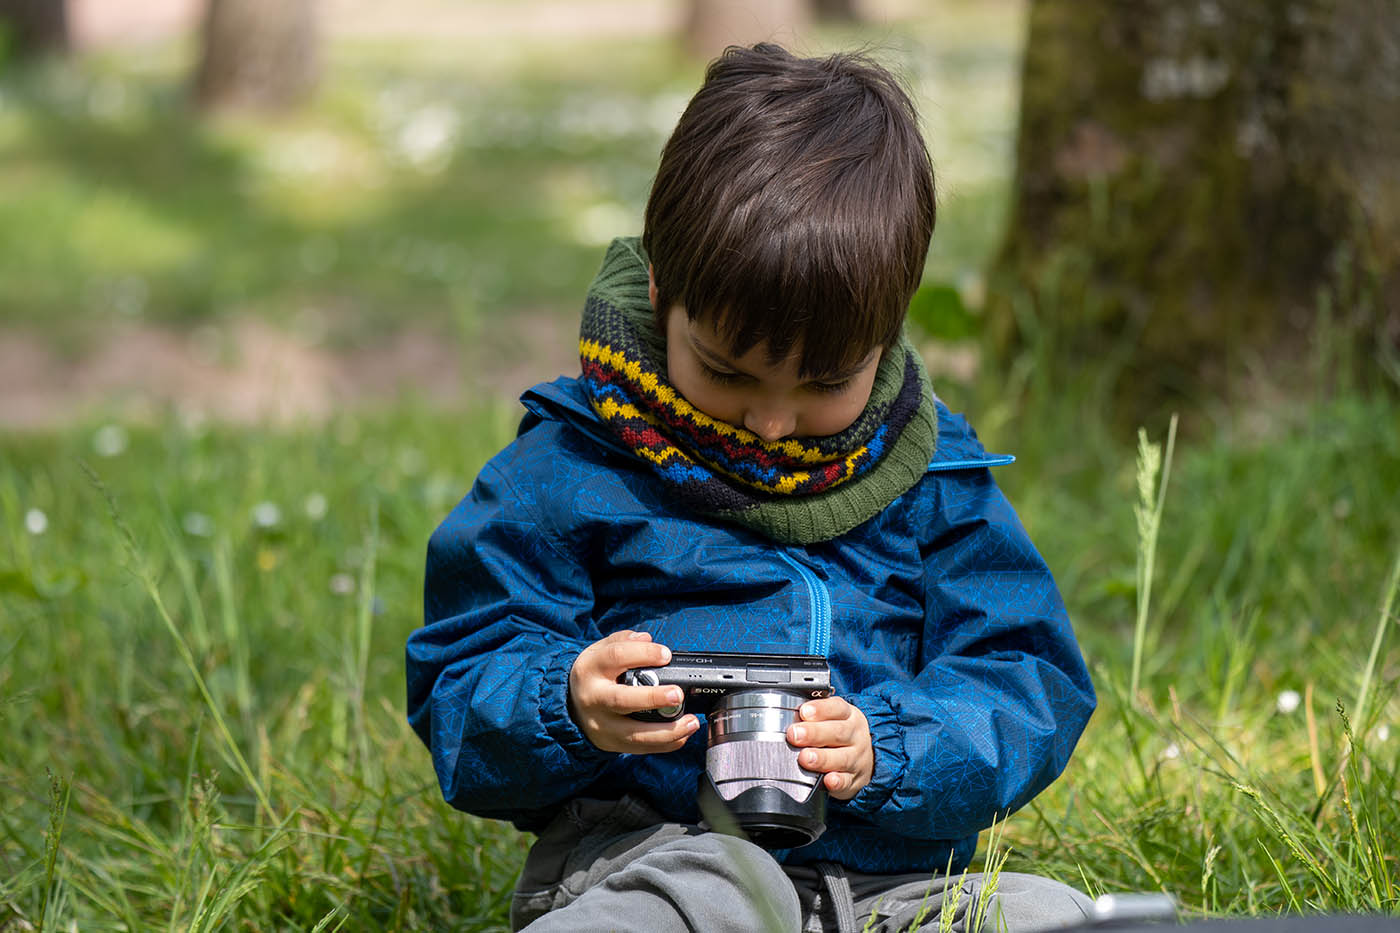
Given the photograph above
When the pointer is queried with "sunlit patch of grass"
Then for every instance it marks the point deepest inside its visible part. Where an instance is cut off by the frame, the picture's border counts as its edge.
(215, 676)
(1234, 777)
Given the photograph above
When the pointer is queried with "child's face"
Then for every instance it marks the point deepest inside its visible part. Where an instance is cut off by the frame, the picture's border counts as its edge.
(771, 400)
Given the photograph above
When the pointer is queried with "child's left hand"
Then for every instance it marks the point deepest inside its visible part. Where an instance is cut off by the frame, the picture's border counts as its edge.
(835, 737)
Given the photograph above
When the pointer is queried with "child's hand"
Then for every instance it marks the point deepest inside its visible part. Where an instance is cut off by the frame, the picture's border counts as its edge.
(599, 704)
(835, 738)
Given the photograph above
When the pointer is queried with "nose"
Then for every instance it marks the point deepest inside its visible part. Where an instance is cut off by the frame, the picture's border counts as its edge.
(771, 424)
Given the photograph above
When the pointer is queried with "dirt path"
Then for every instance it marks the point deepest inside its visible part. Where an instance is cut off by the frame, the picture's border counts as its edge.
(98, 23)
(251, 371)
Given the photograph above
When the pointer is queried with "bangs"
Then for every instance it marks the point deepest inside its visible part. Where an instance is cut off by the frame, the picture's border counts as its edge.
(795, 288)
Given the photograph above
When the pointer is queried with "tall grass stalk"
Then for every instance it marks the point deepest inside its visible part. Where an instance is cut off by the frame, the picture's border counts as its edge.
(59, 793)
(152, 589)
(1387, 613)
(1152, 499)
(364, 622)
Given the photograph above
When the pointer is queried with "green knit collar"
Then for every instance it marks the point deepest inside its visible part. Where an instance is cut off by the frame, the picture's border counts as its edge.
(618, 305)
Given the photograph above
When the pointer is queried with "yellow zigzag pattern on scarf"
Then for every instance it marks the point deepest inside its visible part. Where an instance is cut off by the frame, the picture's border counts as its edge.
(617, 360)
(610, 409)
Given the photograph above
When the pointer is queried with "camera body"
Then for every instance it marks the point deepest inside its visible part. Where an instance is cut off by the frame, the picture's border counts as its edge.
(751, 776)
(706, 677)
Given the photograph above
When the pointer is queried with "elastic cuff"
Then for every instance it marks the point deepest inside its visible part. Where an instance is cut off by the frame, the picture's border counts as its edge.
(891, 758)
(554, 706)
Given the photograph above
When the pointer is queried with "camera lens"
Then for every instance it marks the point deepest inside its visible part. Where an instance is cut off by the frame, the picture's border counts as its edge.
(752, 769)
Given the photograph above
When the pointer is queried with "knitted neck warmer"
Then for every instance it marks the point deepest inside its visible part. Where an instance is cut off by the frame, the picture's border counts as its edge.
(794, 491)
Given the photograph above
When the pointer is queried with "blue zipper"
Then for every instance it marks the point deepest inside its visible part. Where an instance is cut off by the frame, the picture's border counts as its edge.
(819, 631)
(990, 460)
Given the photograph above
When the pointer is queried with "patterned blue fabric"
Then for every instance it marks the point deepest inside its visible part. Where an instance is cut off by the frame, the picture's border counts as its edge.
(939, 619)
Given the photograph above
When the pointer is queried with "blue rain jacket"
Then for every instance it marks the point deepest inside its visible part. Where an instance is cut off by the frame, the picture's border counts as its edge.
(938, 617)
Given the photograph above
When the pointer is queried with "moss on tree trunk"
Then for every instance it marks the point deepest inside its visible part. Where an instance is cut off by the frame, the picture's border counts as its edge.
(1195, 183)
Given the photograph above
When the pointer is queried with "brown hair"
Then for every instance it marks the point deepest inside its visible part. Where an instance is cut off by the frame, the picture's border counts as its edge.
(793, 206)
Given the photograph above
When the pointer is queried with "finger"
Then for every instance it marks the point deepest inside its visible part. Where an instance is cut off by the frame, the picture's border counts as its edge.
(629, 735)
(623, 699)
(824, 734)
(842, 785)
(612, 657)
(830, 759)
(626, 634)
(829, 708)
(649, 735)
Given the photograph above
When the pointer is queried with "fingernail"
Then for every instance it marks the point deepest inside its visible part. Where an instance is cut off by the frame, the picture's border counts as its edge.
(799, 734)
(638, 636)
(673, 696)
(809, 758)
(808, 712)
(692, 724)
(665, 655)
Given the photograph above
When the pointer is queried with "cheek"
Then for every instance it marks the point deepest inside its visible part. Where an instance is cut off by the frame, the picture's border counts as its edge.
(835, 416)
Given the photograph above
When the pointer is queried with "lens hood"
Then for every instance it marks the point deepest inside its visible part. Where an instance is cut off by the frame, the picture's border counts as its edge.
(767, 815)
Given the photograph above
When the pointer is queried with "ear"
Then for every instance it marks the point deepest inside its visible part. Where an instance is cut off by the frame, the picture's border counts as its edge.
(651, 286)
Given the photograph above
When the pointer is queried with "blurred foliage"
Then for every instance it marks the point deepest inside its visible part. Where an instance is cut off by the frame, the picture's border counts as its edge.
(434, 183)
(937, 309)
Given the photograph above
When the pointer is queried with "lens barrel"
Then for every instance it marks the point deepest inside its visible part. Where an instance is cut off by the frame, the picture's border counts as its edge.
(753, 772)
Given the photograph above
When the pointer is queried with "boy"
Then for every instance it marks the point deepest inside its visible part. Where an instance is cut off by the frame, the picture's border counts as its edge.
(752, 459)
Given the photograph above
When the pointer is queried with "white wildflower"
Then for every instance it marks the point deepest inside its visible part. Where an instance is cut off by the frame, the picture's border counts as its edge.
(428, 136)
(342, 584)
(197, 524)
(1382, 732)
(267, 515)
(411, 460)
(316, 506)
(110, 440)
(36, 522)
(1288, 701)
(1172, 751)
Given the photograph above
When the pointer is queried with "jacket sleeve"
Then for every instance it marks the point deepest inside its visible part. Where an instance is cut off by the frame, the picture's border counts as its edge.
(1001, 695)
(507, 609)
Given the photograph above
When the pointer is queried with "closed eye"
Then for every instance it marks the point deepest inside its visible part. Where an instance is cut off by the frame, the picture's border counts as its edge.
(721, 376)
(829, 387)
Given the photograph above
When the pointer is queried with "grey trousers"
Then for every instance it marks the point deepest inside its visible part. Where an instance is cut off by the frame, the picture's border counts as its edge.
(617, 865)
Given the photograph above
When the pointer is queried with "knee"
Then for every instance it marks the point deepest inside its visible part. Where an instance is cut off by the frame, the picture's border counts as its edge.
(730, 858)
(732, 874)
(1031, 903)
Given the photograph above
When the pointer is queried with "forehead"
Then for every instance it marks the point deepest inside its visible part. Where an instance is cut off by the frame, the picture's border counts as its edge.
(758, 358)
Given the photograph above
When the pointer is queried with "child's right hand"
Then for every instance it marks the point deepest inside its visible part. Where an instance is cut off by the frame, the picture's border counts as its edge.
(600, 705)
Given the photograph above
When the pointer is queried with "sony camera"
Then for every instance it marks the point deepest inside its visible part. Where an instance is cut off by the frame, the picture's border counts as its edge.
(751, 772)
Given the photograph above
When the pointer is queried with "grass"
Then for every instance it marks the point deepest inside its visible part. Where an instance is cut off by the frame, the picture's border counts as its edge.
(202, 626)
(201, 676)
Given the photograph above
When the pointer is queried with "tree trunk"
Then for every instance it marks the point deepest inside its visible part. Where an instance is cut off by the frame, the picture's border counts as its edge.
(712, 25)
(35, 26)
(845, 11)
(1203, 188)
(258, 54)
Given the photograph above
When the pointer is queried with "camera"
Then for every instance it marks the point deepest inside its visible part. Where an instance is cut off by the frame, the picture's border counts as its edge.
(751, 772)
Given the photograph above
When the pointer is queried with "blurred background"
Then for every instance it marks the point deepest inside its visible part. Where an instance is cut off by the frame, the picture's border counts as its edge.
(273, 208)
(254, 209)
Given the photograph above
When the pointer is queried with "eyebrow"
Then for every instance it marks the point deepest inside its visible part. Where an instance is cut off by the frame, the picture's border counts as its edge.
(722, 362)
